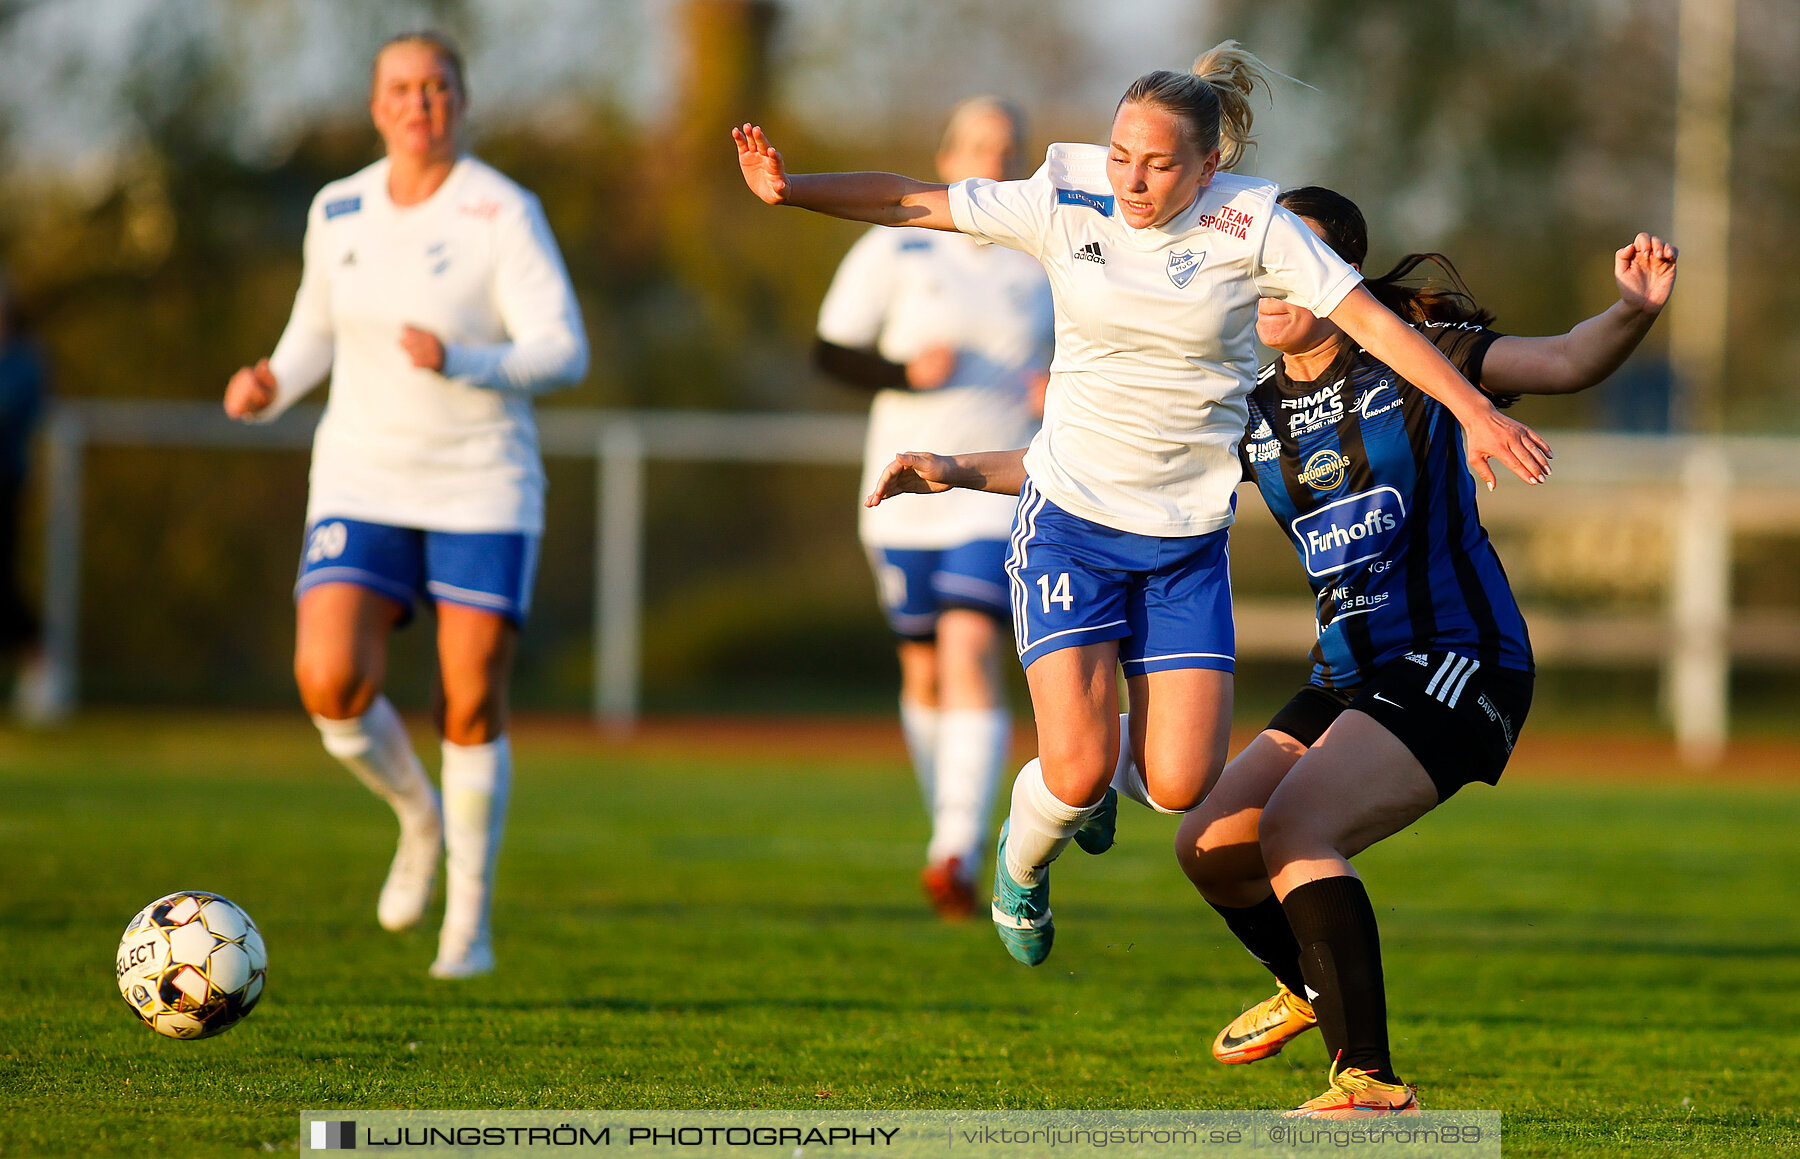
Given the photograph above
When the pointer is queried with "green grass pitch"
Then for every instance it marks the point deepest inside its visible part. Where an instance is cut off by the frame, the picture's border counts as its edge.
(1615, 964)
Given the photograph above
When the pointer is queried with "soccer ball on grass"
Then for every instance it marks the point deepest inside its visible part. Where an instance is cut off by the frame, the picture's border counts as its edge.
(191, 964)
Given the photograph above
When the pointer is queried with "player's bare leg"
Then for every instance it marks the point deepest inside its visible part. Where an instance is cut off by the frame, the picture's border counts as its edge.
(340, 660)
(1187, 746)
(1356, 786)
(973, 733)
(1219, 850)
(1180, 731)
(1075, 696)
(475, 654)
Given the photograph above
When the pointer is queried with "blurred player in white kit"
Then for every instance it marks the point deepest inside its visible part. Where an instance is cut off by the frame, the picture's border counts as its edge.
(435, 297)
(954, 338)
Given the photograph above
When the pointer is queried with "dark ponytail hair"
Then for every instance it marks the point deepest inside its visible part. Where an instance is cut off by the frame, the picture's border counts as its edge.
(1427, 297)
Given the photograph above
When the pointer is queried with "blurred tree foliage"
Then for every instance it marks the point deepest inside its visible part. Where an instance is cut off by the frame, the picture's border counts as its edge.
(1527, 138)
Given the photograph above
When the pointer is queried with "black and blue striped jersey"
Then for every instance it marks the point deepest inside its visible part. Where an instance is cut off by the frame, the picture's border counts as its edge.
(1366, 475)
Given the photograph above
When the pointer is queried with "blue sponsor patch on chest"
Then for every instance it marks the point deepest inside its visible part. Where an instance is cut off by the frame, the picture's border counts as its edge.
(342, 206)
(1183, 265)
(1349, 531)
(916, 245)
(1101, 204)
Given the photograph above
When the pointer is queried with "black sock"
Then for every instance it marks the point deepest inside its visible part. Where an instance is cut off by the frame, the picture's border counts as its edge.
(1340, 954)
(1264, 930)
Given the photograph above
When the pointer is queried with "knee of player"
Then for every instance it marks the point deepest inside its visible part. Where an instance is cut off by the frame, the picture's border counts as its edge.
(335, 690)
(1286, 833)
(1210, 860)
(1173, 800)
(1076, 764)
(475, 719)
(1176, 787)
(1197, 860)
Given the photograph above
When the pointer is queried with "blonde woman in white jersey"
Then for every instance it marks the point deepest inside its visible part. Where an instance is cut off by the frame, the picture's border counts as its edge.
(1156, 260)
(953, 338)
(435, 297)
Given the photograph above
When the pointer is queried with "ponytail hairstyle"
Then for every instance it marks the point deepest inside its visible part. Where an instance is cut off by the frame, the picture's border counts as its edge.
(1212, 100)
(1429, 297)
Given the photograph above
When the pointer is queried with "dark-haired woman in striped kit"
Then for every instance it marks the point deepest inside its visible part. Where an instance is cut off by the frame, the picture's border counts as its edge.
(1422, 673)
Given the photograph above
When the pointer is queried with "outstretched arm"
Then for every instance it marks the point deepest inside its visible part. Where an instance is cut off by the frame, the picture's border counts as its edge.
(1487, 434)
(877, 198)
(1565, 363)
(923, 473)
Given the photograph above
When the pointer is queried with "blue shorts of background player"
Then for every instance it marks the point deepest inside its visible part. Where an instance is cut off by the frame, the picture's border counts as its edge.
(917, 584)
(493, 571)
(1167, 600)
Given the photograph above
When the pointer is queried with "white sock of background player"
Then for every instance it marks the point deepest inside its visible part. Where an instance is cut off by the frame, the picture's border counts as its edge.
(919, 724)
(477, 782)
(1040, 827)
(971, 746)
(375, 747)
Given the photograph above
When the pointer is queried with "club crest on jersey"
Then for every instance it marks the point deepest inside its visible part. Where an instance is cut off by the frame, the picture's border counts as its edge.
(1324, 470)
(1183, 265)
(1381, 392)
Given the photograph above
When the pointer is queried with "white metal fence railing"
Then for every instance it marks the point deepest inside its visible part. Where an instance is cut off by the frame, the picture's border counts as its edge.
(1700, 492)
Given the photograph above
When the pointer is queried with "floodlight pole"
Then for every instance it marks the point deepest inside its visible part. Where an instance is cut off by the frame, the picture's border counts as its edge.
(1696, 684)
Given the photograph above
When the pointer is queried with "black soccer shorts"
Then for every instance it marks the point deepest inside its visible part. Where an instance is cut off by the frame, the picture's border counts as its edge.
(1458, 716)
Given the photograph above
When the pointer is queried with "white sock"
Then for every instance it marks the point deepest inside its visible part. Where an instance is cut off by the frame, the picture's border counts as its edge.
(919, 723)
(376, 748)
(1040, 827)
(477, 782)
(1128, 776)
(972, 745)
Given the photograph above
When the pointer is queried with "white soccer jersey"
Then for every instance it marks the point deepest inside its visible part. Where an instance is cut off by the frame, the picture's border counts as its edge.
(1155, 333)
(475, 265)
(900, 291)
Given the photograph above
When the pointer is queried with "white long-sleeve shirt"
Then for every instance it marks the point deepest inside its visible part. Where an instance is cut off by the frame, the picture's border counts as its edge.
(476, 266)
(900, 291)
(1155, 333)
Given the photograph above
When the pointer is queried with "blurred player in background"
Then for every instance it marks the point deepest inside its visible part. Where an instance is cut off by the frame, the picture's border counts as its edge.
(1156, 261)
(954, 338)
(435, 296)
(23, 385)
(1422, 673)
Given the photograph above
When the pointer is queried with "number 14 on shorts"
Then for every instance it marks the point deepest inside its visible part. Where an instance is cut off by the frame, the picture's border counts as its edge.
(1055, 592)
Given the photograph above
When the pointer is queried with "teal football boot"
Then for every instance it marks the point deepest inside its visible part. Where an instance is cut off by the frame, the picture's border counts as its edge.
(1022, 913)
(1096, 833)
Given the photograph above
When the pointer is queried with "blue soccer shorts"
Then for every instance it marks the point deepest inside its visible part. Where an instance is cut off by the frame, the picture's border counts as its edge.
(916, 585)
(493, 571)
(1167, 600)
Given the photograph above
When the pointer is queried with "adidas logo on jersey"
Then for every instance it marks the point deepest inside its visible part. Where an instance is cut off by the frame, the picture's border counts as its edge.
(1090, 253)
(1418, 658)
(1262, 431)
